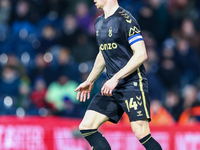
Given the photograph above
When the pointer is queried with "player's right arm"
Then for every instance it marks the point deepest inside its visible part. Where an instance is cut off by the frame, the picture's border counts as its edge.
(85, 88)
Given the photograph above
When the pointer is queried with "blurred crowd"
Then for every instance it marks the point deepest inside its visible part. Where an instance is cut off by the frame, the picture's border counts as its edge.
(48, 47)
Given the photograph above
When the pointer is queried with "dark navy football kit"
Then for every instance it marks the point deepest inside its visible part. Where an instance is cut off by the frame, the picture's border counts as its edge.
(115, 35)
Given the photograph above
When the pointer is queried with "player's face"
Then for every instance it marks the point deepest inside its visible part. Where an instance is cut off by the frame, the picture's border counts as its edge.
(100, 3)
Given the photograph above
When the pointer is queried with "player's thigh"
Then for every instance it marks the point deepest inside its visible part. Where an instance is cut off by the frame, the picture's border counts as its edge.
(140, 128)
(106, 106)
(92, 120)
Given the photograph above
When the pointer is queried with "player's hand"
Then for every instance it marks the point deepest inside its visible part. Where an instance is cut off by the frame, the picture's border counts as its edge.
(109, 86)
(84, 90)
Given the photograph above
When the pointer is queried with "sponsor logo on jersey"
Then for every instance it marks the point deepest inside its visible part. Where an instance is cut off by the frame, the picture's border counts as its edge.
(108, 46)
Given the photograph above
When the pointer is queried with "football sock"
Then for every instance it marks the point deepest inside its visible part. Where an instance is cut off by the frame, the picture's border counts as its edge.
(96, 139)
(150, 143)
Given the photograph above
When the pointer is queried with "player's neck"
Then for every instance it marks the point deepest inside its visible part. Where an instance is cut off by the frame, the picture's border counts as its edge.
(110, 9)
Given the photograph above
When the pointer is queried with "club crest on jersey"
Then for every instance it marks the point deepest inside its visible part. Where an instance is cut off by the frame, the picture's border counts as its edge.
(110, 32)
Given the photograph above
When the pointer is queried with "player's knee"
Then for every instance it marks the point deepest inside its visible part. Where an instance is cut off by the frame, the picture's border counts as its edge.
(84, 126)
(137, 130)
(139, 134)
(140, 129)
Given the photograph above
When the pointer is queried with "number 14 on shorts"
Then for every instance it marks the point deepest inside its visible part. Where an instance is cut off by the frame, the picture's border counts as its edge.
(132, 104)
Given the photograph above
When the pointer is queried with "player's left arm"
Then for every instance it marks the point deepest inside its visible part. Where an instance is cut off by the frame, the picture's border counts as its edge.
(132, 33)
(136, 60)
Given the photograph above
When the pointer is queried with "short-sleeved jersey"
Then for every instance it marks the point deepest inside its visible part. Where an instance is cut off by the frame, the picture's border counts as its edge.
(115, 35)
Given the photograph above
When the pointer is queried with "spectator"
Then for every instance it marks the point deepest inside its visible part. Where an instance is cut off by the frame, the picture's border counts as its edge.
(17, 65)
(9, 90)
(24, 11)
(5, 11)
(41, 69)
(188, 62)
(162, 24)
(23, 23)
(190, 96)
(57, 7)
(9, 83)
(159, 114)
(49, 38)
(83, 16)
(147, 19)
(69, 31)
(168, 69)
(23, 100)
(61, 96)
(66, 64)
(169, 73)
(190, 115)
(174, 104)
(189, 32)
(180, 9)
(156, 87)
(84, 46)
(38, 93)
(4, 38)
(149, 40)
